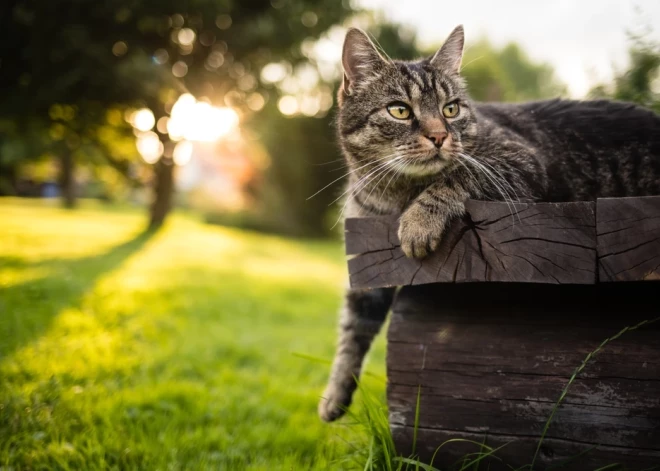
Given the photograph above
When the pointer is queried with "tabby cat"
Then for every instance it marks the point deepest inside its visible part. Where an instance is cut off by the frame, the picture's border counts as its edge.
(418, 147)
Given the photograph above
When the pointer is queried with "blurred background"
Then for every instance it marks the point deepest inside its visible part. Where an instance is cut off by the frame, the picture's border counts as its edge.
(205, 344)
(226, 107)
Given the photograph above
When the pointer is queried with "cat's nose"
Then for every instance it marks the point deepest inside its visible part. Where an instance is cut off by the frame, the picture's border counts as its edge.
(437, 138)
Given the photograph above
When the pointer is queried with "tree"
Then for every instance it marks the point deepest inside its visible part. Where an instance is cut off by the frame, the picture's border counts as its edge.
(507, 74)
(90, 56)
(637, 84)
(59, 73)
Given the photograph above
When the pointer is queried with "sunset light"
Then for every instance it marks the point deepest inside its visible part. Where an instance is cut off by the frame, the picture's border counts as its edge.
(190, 121)
(199, 121)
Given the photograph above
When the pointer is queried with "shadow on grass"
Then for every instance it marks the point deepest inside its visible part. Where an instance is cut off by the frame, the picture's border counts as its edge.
(27, 309)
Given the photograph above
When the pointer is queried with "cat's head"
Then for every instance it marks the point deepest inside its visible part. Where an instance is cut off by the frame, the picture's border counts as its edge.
(416, 115)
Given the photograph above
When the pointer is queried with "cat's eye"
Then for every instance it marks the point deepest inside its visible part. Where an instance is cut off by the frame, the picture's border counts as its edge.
(450, 110)
(399, 111)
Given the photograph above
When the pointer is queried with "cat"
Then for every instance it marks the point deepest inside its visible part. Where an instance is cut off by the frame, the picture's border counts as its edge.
(418, 147)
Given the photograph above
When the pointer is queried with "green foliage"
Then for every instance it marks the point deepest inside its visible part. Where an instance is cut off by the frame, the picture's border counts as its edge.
(640, 83)
(507, 74)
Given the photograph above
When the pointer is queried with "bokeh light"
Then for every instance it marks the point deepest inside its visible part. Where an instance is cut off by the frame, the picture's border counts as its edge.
(186, 37)
(150, 147)
(223, 21)
(179, 69)
(310, 105)
(182, 152)
(119, 48)
(161, 125)
(274, 72)
(161, 56)
(256, 101)
(288, 105)
(215, 59)
(309, 19)
(143, 120)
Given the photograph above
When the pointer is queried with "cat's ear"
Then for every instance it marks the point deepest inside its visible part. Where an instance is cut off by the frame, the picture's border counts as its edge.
(449, 56)
(360, 58)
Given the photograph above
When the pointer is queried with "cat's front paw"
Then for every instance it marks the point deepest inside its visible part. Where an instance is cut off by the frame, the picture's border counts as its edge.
(334, 403)
(420, 232)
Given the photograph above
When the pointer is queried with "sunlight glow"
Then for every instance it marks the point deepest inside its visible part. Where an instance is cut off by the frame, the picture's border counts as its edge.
(199, 121)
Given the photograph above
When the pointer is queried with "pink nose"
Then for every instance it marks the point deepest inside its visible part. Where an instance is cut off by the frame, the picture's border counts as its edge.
(437, 138)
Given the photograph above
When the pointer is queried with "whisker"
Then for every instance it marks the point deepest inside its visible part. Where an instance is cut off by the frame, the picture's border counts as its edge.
(371, 162)
(497, 185)
(472, 176)
(504, 179)
(365, 177)
(473, 60)
(383, 175)
(354, 191)
(397, 168)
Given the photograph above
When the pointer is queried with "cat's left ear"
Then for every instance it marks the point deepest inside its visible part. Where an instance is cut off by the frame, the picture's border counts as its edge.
(449, 56)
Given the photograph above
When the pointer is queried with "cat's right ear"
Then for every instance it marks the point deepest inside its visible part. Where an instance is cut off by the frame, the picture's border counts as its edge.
(360, 59)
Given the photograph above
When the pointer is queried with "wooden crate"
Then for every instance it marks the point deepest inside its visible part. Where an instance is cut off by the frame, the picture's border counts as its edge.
(491, 326)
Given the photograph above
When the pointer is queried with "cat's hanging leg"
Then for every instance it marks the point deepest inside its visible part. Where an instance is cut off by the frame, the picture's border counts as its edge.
(361, 317)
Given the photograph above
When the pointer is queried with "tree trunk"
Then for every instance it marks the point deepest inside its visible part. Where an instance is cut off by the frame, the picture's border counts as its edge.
(8, 180)
(163, 191)
(66, 180)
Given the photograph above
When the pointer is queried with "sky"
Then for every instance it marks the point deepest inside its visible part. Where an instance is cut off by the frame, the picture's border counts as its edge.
(585, 40)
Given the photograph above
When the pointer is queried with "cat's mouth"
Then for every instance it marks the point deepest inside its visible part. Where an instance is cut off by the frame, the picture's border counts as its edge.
(429, 164)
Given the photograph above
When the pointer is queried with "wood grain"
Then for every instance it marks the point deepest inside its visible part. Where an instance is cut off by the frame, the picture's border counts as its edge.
(628, 232)
(492, 359)
(533, 243)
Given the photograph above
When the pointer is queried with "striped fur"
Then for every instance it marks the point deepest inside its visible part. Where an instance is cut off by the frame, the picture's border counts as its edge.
(554, 150)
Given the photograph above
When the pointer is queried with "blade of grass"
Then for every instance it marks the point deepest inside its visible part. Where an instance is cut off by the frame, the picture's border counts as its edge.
(455, 440)
(609, 466)
(577, 371)
(417, 463)
(419, 394)
(572, 458)
(483, 456)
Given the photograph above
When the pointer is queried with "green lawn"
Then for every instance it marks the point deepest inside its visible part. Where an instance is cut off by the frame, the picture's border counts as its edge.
(171, 351)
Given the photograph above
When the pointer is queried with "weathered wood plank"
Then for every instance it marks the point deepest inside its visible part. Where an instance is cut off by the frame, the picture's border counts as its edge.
(628, 231)
(492, 359)
(596, 424)
(370, 234)
(531, 243)
(521, 449)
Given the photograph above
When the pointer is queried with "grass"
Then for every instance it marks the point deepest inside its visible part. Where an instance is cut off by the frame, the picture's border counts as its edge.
(186, 349)
(193, 348)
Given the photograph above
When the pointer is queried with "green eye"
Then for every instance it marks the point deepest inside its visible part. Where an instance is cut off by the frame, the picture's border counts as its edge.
(450, 110)
(399, 111)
